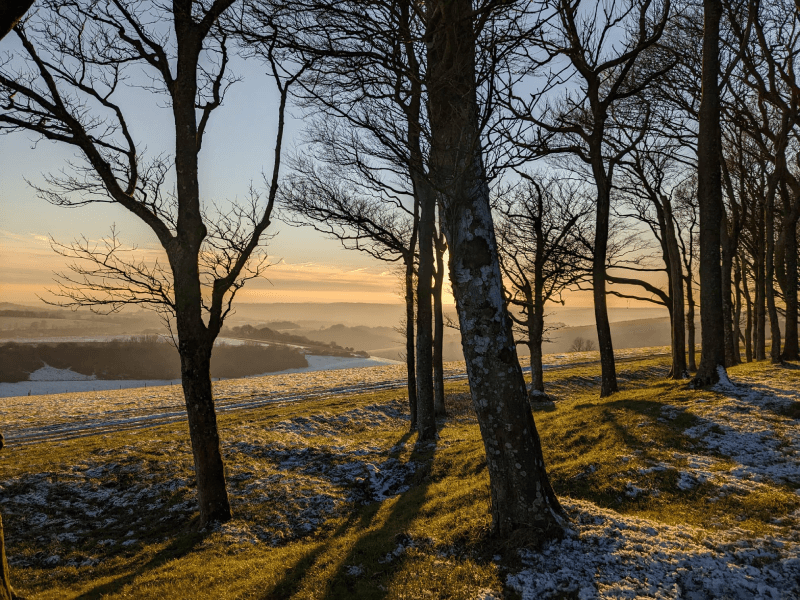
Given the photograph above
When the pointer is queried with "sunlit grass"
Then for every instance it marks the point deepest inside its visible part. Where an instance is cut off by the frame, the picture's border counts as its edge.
(432, 540)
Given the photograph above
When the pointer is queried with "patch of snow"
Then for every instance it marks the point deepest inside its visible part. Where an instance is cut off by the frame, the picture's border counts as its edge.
(615, 556)
(355, 570)
(744, 427)
(48, 373)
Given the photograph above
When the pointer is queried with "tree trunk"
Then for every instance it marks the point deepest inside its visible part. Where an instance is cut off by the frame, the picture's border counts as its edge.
(608, 383)
(728, 249)
(520, 490)
(410, 338)
(691, 338)
(426, 415)
(761, 307)
(535, 334)
(212, 494)
(791, 348)
(438, 329)
(676, 280)
(6, 593)
(748, 328)
(709, 192)
(11, 12)
(737, 308)
(769, 279)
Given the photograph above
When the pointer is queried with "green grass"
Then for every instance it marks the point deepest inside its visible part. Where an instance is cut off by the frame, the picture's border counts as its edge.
(595, 450)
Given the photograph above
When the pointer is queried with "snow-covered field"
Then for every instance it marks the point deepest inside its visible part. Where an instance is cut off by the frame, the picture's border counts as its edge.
(49, 380)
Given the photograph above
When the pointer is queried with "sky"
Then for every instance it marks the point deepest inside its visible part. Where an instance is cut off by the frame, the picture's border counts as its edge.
(237, 149)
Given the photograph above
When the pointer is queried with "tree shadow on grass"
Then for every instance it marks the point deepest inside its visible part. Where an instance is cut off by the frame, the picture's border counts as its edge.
(181, 545)
(359, 547)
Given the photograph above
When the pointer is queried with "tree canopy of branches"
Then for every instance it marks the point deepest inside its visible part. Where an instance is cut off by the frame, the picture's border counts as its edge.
(603, 49)
(78, 61)
(541, 255)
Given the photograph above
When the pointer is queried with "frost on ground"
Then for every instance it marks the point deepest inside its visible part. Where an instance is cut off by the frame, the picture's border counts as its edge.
(747, 426)
(613, 556)
(285, 481)
(744, 442)
(287, 478)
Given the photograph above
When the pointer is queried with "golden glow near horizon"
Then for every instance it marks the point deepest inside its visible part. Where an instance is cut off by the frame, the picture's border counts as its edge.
(27, 264)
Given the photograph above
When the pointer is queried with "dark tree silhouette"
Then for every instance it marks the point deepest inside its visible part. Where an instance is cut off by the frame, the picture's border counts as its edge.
(78, 56)
(11, 12)
(606, 45)
(368, 75)
(540, 255)
(709, 193)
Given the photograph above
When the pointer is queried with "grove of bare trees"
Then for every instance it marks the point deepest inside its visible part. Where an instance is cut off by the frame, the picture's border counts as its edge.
(646, 149)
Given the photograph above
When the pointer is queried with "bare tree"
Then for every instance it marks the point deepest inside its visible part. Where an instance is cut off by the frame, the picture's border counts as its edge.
(770, 45)
(11, 12)
(79, 58)
(521, 495)
(346, 204)
(650, 178)
(685, 214)
(580, 344)
(606, 45)
(540, 255)
(369, 75)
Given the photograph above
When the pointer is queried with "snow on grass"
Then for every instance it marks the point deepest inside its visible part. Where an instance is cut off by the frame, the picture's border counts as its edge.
(289, 476)
(746, 426)
(48, 373)
(283, 484)
(614, 556)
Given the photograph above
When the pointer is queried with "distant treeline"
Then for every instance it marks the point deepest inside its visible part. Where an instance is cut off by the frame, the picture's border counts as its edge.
(270, 335)
(146, 357)
(35, 314)
(282, 325)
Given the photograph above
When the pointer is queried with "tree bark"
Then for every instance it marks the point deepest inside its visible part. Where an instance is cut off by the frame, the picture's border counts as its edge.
(709, 188)
(195, 341)
(6, 593)
(769, 280)
(760, 334)
(791, 347)
(728, 246)
(535, 301)
(535, 334)
(691, 339)
(410, 337)
(608, 369)
(676, 281)
(195, 352)
(520, 490)
(11, 13)
(426, 415)
(737, 308)
(748, 328)
(438, 329)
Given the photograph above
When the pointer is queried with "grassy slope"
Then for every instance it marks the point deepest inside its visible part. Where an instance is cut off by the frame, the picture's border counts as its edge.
(595, 449)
